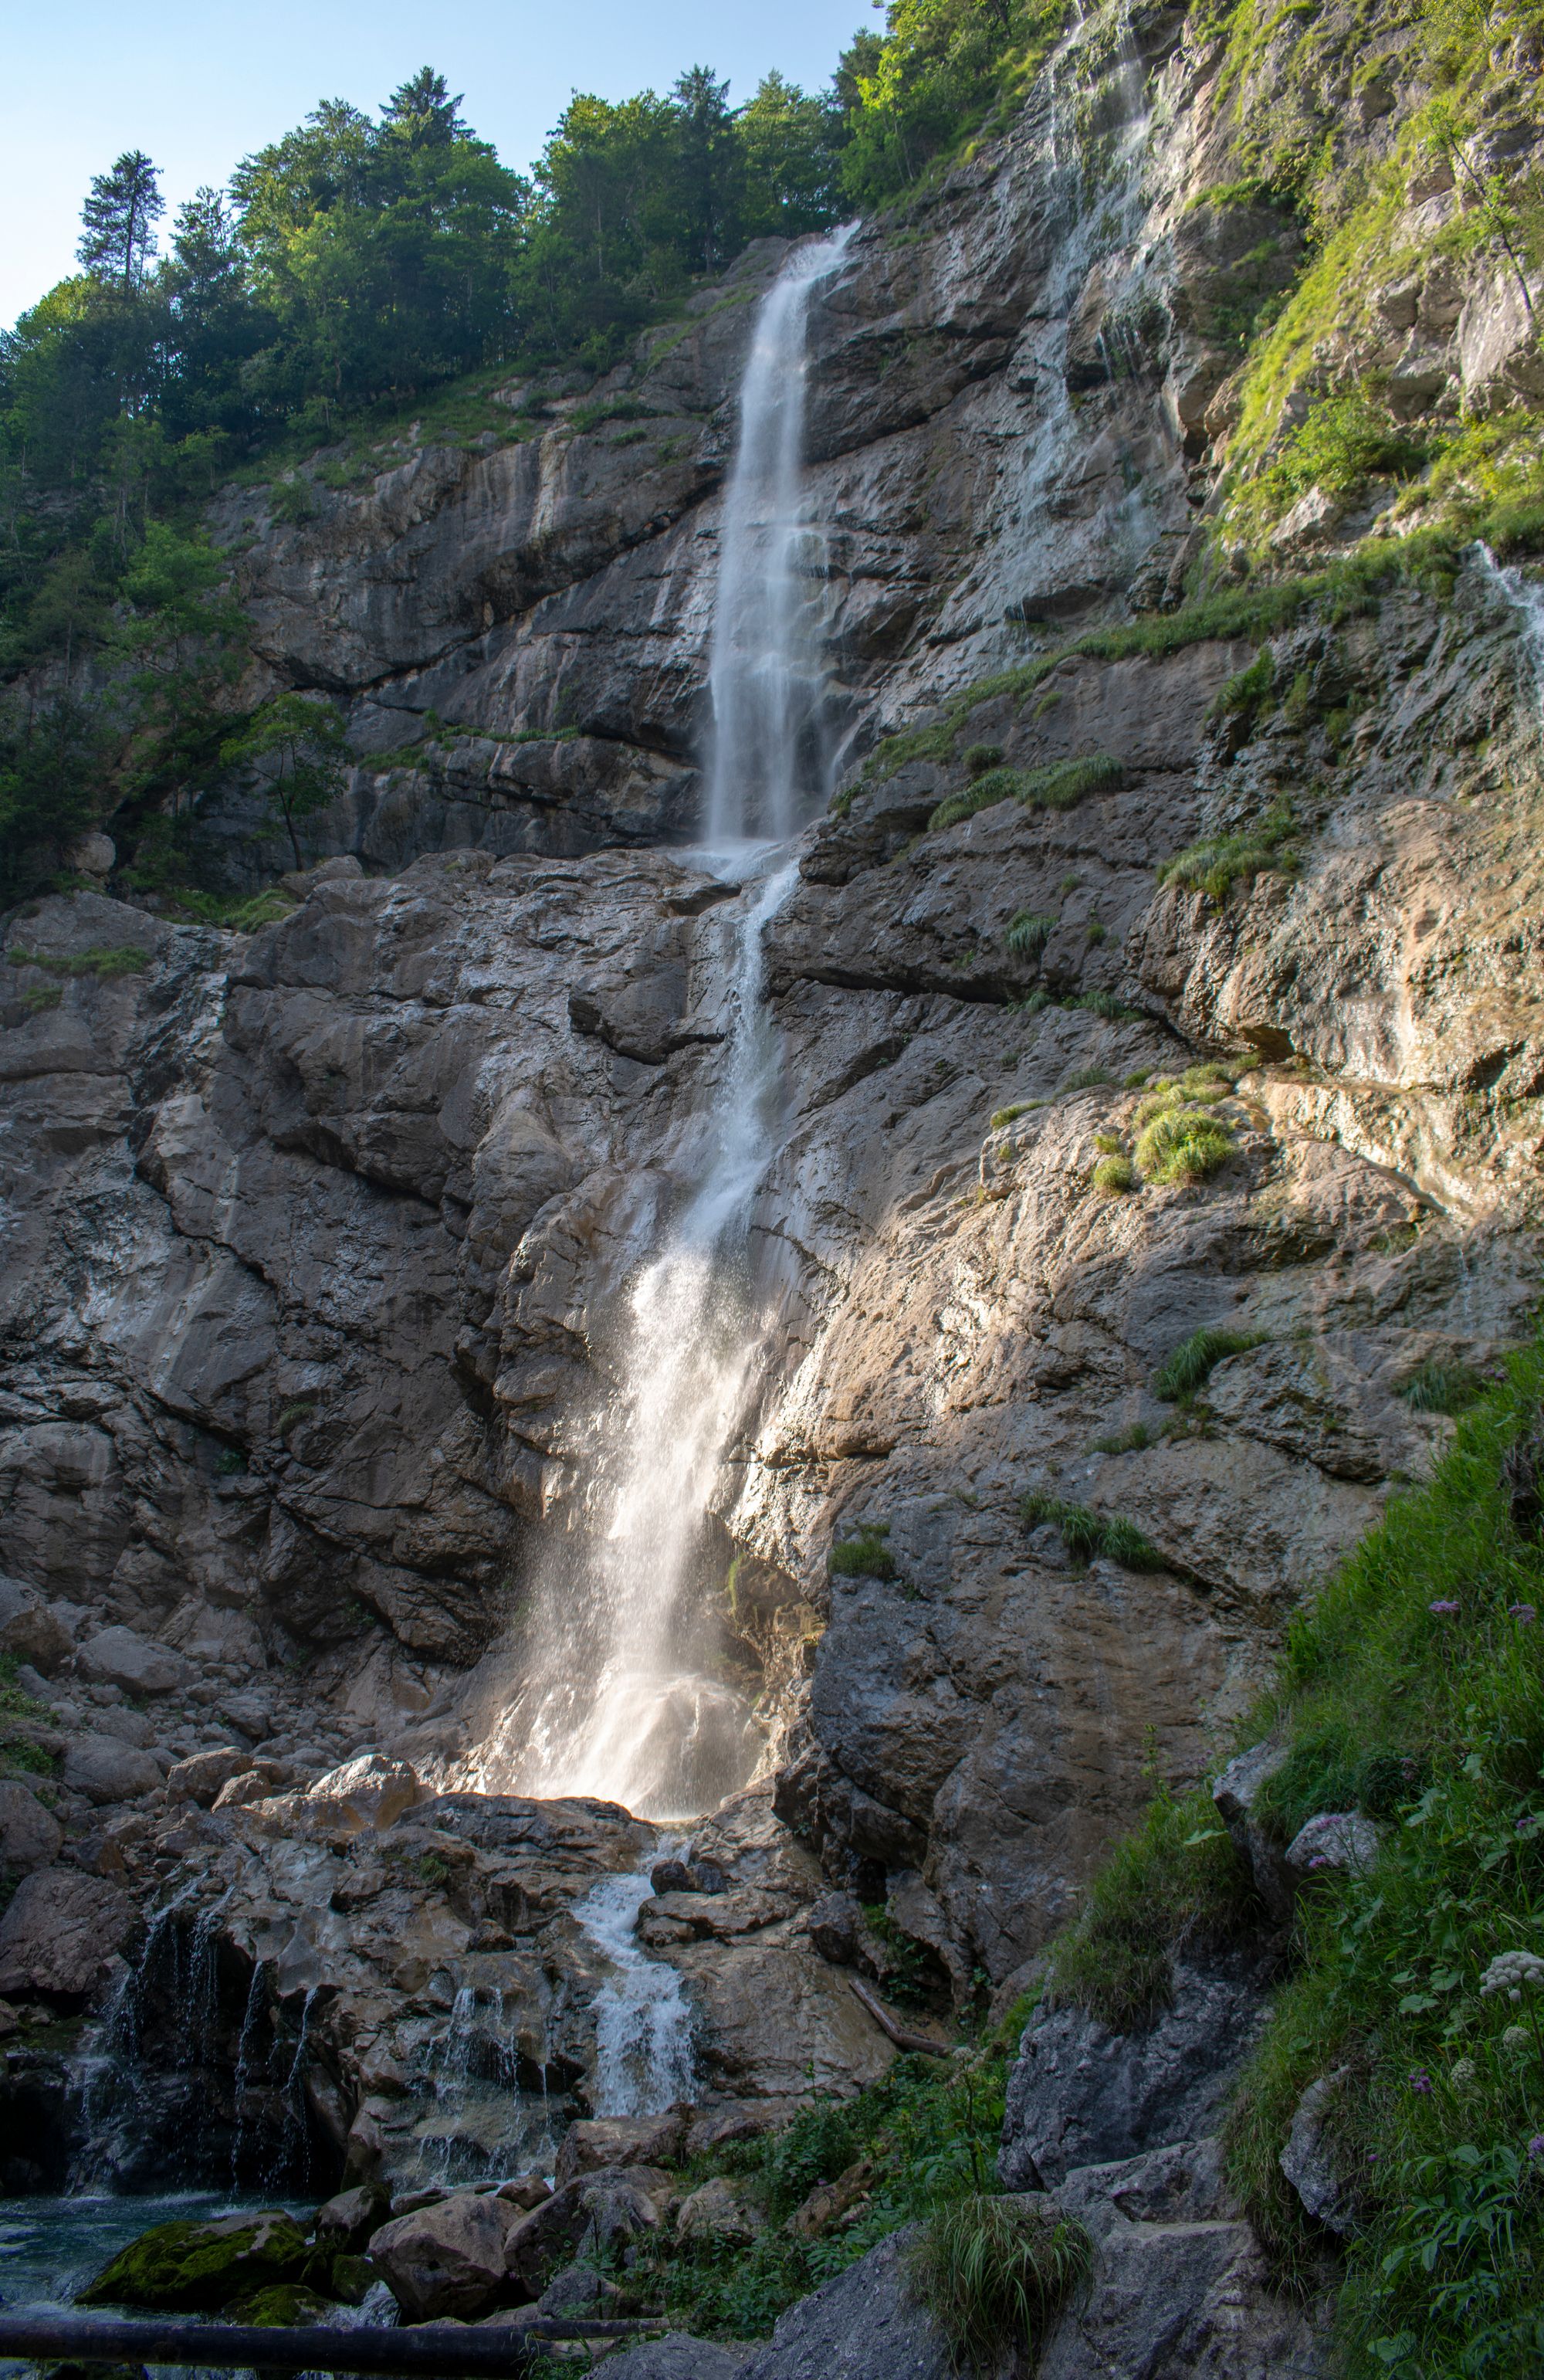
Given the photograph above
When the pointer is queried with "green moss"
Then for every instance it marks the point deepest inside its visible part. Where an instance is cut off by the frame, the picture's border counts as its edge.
(1085, 1078)
(285, 2306)
(1090, 1536)
(197, 2267)
(122, 958)
(1214, 865)
(1192, 1364)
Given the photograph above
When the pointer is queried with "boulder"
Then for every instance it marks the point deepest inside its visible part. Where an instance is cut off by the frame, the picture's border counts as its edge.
(1233, 1796)
(719, 2210)
(60, 1932)
(1079, 2094)
(29, 1631)
(202, 1775)
(30, 1835)
(119, 1656)
(678, 2357)
(348, 2221)
(200, 2267)
(594, 2212)
(605, 2140)
(369, 1792)
(1340, 1839)
(106, 1769)
(524, 2190)
(446, 2259)
(1179, 2283)
(249, 1784)
(1310, 2160)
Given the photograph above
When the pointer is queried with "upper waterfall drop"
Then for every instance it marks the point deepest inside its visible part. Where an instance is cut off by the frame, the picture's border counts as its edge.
(766, 667)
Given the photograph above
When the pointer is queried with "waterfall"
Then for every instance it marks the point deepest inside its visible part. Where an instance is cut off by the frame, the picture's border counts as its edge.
(643, 2057)
(766, 672)
(619, 1698)
(1524, 598)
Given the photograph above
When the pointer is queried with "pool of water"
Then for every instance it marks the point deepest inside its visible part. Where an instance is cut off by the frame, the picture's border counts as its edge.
(51, 2247)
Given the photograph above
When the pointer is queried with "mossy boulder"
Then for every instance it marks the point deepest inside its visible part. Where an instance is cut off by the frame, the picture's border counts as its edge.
(198, 2267)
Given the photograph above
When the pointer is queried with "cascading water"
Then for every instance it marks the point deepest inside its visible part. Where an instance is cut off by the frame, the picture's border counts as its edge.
(1526, 599)
(619, 1699)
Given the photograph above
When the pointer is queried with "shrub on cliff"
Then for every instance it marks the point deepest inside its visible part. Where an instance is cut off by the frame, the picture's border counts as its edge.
(994, 2271)
(1182, 1144)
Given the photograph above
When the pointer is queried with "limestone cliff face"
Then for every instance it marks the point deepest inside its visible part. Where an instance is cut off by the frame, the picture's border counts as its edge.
(320, 1234)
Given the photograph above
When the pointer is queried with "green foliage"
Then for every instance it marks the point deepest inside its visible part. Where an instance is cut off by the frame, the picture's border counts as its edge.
(1440, 1387)
(1176, 1886)
(994, 2272)
(292, 1414)
(921, 2140)
(1085, 1078)
(1060, 784)
(1214, 865)
(1002, 1117)
(1192, 1364)
(864, 1556)
(940, 68)
(293, 749)
(1090, 1536)
(1343, 443)
(1248, 688)
(1414, 1689)
(1113, 1175)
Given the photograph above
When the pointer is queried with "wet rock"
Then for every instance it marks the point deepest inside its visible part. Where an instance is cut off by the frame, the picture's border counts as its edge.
(1235, 1794)
(200, 2267)
(30, 1835)
(445, 2259)
(349, 2220)
(368, 1794)
(719, 2210)
(120, 1657)
(842, 1935)
(606, 2140)
(106, 1769)
(1078, 2094)
(525, 2191)
(60, 1932)
(1178, 2282)
(1311, 2161)
(1340, 1839)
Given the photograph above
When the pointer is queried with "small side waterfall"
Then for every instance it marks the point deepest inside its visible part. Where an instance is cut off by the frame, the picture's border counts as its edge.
(644, 2059)
(619, 1698)
(1526, 599)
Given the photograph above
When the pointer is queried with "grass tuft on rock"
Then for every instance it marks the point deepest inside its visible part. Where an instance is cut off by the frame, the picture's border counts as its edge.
(1174, 1886)
(1113, 1176)
(1182, 1144)
(1215, 865)
(864, 1555)
(1438, 1387)
(1087, 1535)
(994, 2273)
(1028, 933)
(1192, 1364)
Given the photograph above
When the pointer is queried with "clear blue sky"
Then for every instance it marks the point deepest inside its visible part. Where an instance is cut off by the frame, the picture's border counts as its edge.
(198, 85)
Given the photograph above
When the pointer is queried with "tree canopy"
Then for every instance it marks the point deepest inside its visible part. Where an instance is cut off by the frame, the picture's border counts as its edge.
(364, 260)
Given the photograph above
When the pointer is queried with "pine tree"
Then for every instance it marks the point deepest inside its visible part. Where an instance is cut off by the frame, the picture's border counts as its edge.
(120, 218)
(423, 110)
(709, 166)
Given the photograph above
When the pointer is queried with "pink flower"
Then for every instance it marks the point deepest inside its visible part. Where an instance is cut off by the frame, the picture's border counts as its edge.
(1441, 1610)
(1420, 2080)
(1525, 1614)
(1535, 2146)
